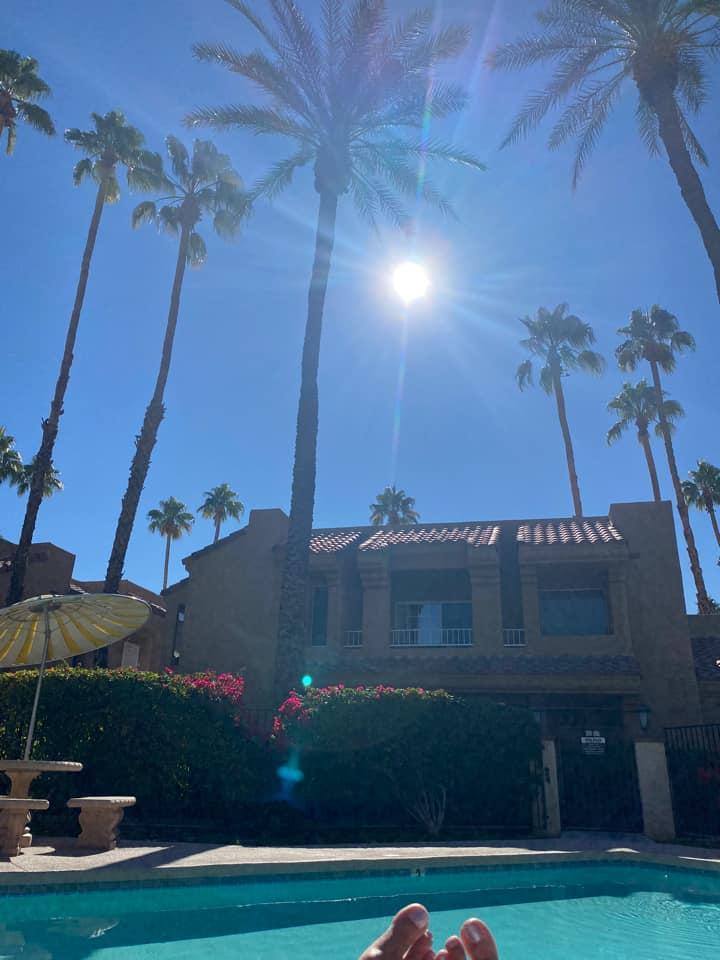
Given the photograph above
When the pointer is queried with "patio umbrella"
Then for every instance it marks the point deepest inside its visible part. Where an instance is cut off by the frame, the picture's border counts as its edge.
(52, 627)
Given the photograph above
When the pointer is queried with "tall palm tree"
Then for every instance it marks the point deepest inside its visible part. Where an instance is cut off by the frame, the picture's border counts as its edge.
(662, 46)
(171, 521)
(20, 85)
(112, 143)
(561, 341)
(394, 507)
(51, 484)
(357, 99)
(219, 504)
(702, 490)
(636, 405)
(11, 465)
(655, 336)
(202, 185)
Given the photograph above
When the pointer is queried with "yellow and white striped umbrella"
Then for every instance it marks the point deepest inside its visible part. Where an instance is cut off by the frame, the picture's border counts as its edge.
(76, 624)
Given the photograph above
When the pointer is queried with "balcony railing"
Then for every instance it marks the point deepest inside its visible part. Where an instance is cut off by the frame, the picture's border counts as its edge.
(353, 638)
(514, 638)
(439, 637)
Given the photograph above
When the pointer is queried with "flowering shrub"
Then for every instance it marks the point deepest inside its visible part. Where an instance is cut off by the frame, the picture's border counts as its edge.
(172, 740)
(384, 755)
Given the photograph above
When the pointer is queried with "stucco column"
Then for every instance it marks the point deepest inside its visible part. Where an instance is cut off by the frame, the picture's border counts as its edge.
(654, 783)
(376, 617)
(617, 588)
(530, 603)
(550, 825)
(333, 579)
(486, 606)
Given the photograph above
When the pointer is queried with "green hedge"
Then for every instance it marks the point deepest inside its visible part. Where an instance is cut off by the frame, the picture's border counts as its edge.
(173, 744)
(381, 756)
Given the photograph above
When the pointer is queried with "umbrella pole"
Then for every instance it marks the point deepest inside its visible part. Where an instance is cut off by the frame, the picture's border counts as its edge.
(41, 673)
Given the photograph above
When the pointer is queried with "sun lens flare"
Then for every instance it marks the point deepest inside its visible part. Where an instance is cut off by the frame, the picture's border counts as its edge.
(410, 281)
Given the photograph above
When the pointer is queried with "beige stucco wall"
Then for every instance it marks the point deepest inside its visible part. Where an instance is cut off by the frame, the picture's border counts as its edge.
(656, 614)
(654, 784)
(231, 602)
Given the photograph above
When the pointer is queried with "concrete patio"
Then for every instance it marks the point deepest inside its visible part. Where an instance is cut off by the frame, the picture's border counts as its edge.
(60, 862)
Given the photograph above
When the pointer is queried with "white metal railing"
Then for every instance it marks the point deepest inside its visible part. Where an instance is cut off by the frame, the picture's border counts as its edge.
(353, 638)
(438, 637)
(514, 638)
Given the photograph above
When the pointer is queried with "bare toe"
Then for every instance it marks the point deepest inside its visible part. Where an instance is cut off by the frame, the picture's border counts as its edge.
(478, 940)
(455, 949)
(407, 928)
(421, 948)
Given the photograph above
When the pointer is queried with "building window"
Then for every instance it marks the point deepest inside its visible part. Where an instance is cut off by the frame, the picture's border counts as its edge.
(432, 623)
(318, 630)
(574, 613)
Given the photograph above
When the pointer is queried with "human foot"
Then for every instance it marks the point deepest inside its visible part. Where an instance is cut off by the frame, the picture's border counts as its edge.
(407, 937)
(474, 943)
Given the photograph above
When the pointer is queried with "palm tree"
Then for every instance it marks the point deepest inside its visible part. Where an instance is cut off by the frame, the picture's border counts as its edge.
(702, 490)
(562, 342)
(662, 46)
(394, 507)
(51, 484)
(11, 465)
(655, 336)
(113, 142)
(20, 85)
(220, 503)
(344, 95)
(202, 185)
(636, 405)
(171, 521)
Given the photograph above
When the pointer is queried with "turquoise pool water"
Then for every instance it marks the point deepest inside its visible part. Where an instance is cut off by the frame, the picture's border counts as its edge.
(569, 912)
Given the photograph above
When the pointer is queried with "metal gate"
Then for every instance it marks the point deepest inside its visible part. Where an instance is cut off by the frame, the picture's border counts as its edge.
(599, 791)
(693, 755)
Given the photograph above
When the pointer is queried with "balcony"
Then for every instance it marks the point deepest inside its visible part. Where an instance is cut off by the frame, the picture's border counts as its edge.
(352, 638)
(432, 637)
(514, 638)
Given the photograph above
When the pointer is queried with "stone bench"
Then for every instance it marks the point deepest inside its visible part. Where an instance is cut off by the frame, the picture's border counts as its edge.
(99, 820)
(13, 820)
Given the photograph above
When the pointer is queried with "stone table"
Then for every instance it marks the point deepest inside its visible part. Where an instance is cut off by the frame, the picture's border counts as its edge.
(22, 773)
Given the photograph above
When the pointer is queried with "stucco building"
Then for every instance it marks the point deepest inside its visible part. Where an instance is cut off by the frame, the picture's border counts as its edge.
(583, 621)
(50, 570)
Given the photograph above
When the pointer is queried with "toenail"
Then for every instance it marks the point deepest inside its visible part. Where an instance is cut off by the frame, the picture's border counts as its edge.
(419, 916)
(474, 932)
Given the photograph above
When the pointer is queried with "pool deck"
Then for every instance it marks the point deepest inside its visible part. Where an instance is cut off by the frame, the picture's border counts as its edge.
(53, 863)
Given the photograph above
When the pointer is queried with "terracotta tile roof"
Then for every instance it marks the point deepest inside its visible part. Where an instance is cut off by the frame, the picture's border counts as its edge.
(588, 530)
(602, 666)
(474, 534)
(706, 653)
(332, 541)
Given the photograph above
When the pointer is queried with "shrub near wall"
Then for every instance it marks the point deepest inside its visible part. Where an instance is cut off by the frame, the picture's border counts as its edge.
(172, 741)
(380, 756)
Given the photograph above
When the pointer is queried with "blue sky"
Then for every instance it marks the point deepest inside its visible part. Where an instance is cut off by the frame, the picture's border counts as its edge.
(469, 444)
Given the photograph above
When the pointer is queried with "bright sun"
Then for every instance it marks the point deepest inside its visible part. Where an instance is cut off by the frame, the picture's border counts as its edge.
(411, 281)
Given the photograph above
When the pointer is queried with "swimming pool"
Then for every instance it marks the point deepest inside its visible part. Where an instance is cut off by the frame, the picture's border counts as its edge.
(578, 911)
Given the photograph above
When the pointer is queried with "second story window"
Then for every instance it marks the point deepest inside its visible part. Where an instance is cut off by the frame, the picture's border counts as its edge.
(574, 613)
(432, 624)
(319, 620)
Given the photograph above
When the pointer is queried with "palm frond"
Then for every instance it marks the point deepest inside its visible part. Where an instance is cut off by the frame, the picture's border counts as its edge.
(145, 212)
(281, 174)
(524, 374)
(197, 251)
(38, 118)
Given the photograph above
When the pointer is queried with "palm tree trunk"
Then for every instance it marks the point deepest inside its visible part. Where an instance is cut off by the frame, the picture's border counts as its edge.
(567, 439)
(290, 652)
(688, 179)
(167, 561)
(710, 507)
(145, 441)
(703, 601)
(650, 460)
(51, 425)
(217, 529)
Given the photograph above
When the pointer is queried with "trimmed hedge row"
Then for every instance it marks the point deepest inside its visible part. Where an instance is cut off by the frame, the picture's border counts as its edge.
(341, 763)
